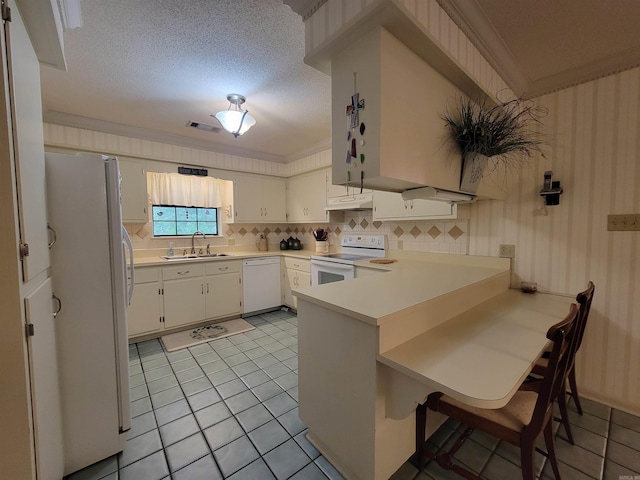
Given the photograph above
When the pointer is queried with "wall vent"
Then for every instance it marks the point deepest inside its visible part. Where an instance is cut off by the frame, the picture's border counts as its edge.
(203, 126)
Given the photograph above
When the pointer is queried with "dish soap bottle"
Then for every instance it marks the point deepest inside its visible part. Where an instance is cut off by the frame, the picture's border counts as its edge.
(171, 253)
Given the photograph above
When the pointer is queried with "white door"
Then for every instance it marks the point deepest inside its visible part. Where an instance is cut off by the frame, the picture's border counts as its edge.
(45, 393)
(28, 144)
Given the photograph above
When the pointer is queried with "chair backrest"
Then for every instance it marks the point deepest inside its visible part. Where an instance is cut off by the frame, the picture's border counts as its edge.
(564, 335)
(584, 299)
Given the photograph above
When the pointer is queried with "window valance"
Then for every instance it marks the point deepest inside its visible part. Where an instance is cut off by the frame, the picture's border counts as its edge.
(188, 190)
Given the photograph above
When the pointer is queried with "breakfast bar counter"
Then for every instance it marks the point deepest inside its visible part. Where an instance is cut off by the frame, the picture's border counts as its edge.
(370, 349)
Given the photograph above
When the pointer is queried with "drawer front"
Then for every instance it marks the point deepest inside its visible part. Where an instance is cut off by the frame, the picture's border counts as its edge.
(298, 264)
(216, 267)
(146, 275)
(183, 271)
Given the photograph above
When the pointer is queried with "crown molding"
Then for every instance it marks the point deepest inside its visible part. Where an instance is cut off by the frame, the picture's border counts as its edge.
(576, 76)
(304, 8)
(469, 16)
(312, 150)
(87, 123)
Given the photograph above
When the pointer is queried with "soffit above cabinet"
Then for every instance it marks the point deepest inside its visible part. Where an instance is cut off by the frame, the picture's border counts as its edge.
(398, 21)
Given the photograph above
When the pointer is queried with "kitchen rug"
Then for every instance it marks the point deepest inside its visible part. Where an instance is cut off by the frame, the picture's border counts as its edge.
(199, 335)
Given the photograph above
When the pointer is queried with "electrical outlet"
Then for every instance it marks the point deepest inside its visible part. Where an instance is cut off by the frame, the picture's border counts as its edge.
(507, 251)
(628, 223)
(231, 241)
(400, 244)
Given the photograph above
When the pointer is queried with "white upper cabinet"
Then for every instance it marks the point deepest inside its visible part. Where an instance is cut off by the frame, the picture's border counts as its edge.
(391, 206)
(133, 191)
(307, 197)
(259, 199)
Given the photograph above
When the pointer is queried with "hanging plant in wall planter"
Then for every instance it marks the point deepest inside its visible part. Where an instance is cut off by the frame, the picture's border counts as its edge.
(507, 133)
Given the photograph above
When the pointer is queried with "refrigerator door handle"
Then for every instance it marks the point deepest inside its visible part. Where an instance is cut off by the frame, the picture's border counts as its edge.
(127, 240)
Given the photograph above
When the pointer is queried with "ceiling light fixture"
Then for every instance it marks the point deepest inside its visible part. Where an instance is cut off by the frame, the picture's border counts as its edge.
(235, 120)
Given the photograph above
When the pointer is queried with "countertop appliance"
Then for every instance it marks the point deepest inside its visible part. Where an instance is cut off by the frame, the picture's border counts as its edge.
(340, 266)
(88, 264)
(260, 284)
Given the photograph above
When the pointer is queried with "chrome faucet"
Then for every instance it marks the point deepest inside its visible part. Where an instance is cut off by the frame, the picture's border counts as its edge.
(193, 248)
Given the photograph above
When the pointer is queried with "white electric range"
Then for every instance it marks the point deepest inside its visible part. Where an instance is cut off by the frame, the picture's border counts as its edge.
(340, 266)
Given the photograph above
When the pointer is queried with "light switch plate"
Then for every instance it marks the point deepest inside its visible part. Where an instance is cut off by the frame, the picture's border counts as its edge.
(624, 222)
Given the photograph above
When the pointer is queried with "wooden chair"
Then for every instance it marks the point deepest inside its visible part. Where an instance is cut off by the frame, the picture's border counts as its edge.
(584, 300)
(520, 422)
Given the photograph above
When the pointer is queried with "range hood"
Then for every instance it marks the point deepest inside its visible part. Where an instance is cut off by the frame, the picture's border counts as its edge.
(363, 201)
(431, 193)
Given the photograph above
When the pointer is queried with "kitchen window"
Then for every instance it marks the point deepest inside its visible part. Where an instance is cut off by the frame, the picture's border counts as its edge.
(177, 221)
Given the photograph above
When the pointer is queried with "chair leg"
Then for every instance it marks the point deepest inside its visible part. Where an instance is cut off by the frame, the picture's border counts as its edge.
(574, 389)
(564, 413)
(421, 427)
(551, 450)
(527, 450)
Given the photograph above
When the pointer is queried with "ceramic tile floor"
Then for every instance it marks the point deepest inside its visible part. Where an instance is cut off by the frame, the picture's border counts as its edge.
(229, 409)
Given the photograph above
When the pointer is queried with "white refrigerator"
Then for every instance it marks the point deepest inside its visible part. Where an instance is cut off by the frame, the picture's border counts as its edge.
(89, 269)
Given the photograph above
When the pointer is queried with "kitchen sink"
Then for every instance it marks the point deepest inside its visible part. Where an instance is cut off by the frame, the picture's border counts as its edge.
(194, 256)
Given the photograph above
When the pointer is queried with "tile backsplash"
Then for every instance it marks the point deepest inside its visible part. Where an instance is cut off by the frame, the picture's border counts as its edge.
(443, 236)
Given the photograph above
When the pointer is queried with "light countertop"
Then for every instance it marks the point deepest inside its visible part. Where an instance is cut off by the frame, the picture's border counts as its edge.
(411, 281)
(481, 356)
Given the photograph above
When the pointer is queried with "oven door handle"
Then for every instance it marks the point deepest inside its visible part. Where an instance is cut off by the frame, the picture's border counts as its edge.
(331, 265)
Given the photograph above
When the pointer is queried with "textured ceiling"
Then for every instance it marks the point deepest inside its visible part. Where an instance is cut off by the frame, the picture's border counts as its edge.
(146, 67)
(153, 65)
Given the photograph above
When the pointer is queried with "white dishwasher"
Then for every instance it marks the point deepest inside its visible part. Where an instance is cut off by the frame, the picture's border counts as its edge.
(261, 284)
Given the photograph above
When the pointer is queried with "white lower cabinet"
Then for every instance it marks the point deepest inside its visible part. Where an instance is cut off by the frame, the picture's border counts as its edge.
(144, 314)
(184, 299)
(174, 296)
(223, 287)
(296, 274)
